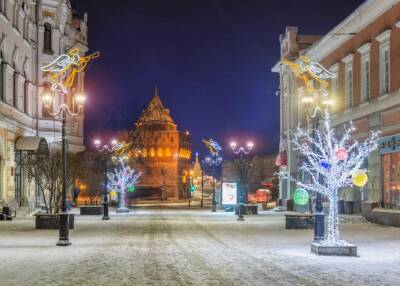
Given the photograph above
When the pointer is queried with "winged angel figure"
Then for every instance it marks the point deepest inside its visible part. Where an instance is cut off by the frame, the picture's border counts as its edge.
(213, 146)
(65, 67)
(310, 71)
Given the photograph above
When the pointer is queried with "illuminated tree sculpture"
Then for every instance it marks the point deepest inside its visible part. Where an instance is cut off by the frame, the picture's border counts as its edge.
(121, 180)
(331, 163)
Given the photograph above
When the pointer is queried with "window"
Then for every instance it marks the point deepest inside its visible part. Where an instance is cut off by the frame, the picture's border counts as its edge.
(348, 87)
(365, 81)
(384, 71)
(365, 51)
(391, 180)
(47, 38)
(3, 6)
(15, 89)
(26, 87)
(384, 62)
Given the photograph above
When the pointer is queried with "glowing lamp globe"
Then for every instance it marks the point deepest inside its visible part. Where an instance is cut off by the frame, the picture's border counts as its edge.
(113, 193)
(359, 178)
(47, 99)
(301, 197)
(341, 154)
(80, 99)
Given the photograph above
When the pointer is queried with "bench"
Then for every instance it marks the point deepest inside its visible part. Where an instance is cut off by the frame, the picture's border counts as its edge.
(299, 221)
(91, 210)
(6, 213)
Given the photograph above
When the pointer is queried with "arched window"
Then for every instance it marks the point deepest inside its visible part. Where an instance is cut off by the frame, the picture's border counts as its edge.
(47, 38)
(3, 6)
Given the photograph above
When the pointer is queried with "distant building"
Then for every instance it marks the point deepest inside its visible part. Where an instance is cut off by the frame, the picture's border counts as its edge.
(258, 171)
(364, 52)
(162, 153)
(28, 42)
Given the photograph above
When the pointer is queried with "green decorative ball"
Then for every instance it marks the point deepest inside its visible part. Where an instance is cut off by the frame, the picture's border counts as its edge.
(300, 197)
(131, 189)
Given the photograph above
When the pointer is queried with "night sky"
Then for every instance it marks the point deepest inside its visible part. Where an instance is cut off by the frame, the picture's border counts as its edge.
(211, 60)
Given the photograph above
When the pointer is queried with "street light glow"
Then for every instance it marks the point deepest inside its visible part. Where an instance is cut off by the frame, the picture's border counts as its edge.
(80, 99)
(114, 142)
(47, 99)
(233, 144)
(97, 142)
(307, 99)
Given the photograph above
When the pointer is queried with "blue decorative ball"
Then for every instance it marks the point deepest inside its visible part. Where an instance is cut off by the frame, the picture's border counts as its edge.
(325, 164)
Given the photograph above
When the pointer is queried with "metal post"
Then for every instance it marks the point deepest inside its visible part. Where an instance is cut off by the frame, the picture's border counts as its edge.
(214, 205)
(64, 216)
(241, 190)
(105, 200)
(319, 216)
(202, 188)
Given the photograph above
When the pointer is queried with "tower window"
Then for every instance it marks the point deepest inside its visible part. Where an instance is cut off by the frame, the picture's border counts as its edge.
(47, 38)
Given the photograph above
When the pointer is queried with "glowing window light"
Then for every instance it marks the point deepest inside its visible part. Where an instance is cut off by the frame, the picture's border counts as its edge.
(152, 152)
(168, 152)
(160, 152)
(144, 152)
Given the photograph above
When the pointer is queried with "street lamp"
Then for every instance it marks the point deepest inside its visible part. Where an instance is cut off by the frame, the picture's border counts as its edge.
(48, 101)
(213, 161)
(319, 221)
(190, 185)
(105, 150)
(242, 151)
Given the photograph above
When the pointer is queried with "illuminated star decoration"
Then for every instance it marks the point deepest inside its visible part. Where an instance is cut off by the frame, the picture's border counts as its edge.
(212, 146)
(65, 67)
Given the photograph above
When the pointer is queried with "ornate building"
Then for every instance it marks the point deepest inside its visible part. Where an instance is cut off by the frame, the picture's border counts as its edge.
(32, 34)
(161, 152)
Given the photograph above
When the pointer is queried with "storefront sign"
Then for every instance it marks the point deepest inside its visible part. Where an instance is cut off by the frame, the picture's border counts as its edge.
(229, 193)
(389, 144)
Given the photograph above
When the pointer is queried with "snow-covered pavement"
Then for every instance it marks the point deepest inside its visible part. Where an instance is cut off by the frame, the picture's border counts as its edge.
(186, 247)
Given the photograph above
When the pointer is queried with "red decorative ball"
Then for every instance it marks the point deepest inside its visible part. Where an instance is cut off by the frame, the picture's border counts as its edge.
(341, 154)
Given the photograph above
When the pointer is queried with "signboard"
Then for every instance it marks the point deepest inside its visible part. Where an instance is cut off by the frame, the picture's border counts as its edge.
(389, 144)
(229, 193)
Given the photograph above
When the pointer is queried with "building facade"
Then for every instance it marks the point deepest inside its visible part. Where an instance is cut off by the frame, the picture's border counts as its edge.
(161, 153)
(32, 34)
(364, 52)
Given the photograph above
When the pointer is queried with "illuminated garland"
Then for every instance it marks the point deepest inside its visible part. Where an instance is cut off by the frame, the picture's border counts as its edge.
(65, 67)
(308, 71)
(212, 146)
(331, 163)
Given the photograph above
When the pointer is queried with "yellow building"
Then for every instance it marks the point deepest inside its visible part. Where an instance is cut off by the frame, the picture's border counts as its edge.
(161, 152)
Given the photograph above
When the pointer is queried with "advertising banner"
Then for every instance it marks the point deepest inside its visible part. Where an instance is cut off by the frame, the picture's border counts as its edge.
(229, 193)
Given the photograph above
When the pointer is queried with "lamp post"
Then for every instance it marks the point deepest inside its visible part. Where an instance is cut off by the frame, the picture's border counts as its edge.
(106, 150)
(213, 161)
(319, 216)
(190, 185)
(242, 151)
(202, 188)
(48, 101)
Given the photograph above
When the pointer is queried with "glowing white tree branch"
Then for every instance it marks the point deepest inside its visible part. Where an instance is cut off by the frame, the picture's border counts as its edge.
(331, 163)
(121, 179)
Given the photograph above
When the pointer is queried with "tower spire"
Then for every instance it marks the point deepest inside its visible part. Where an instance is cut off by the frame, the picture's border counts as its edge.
(155, 90)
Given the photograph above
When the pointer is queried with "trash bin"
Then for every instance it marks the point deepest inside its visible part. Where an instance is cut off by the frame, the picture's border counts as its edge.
(7, 213)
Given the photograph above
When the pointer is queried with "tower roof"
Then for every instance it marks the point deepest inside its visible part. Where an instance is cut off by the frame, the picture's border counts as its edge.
(155, 114)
